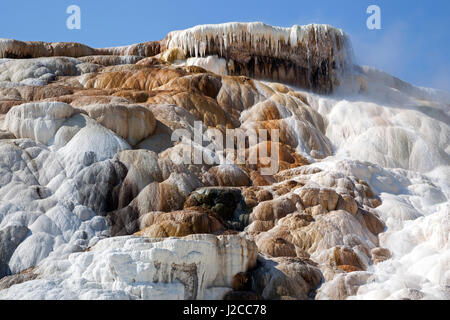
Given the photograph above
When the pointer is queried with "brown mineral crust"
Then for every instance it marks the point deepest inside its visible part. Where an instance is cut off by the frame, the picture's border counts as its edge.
(179, 223)
(35, 49)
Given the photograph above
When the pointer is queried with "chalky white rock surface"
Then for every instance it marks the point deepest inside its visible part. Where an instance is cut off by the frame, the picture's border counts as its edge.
(140, 268)
(38, 121)
(41, 70)
(416, 211)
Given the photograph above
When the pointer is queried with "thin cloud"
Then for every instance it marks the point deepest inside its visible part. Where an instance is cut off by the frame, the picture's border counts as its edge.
(391, 52)
(400, 53)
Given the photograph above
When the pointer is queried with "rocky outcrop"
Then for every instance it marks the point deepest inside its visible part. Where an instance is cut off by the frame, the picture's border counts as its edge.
(226, 202)
(36, 49)
(9, 281)
(310, 56)
(41, 71)
(285, 279)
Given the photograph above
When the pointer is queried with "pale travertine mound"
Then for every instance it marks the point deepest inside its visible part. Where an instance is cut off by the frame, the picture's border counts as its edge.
(393, 124)
(38, 121)
(82, 141)
(40, 71)
(132, 122)
(195, 267)
(343, 286)
(213, 64)
(55, 212)
(405, 219)
(55, 192)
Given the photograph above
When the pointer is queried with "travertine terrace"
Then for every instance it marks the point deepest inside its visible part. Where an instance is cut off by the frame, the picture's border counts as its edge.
(96, 204)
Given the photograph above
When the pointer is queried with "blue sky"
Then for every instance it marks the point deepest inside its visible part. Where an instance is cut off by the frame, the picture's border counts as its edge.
(414, 43)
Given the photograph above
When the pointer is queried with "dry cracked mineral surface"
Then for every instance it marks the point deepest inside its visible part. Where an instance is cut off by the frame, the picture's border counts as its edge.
(96, 202)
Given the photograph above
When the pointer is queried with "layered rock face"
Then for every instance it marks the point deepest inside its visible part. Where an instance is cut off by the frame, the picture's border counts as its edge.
(97, 200)
(311, 57)
(14, 49)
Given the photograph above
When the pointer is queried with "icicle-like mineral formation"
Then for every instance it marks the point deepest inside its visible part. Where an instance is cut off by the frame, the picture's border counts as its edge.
(313, 56)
